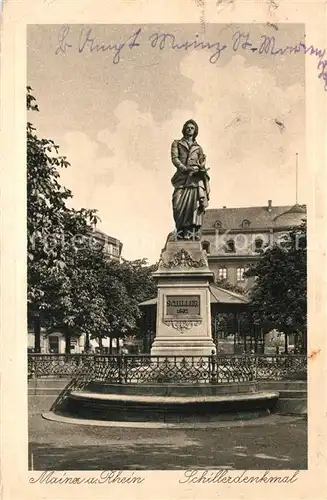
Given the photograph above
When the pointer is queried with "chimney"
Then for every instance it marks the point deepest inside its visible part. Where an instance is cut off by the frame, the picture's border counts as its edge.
(269, 205)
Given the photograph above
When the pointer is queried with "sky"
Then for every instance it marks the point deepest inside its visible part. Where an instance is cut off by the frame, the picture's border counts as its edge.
(115, 122)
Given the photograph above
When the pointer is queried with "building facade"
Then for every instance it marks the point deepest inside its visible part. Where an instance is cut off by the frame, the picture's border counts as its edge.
(55, 341)
(111, 246)
(235, 238)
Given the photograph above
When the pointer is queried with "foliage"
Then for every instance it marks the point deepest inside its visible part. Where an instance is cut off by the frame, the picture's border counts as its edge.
(224, 283)
(100, 296)
(125, 285)
(73, 286)
(135, 278)
(50, 226)
(279, 294)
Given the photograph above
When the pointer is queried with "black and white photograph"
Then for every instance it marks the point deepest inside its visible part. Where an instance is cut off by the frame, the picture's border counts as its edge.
(166, 247)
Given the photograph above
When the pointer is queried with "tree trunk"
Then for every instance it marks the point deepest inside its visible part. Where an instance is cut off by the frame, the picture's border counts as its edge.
(67, 343)
(145, 342)
(100, 344)
(286, 344)
(262, 338)
(117, 344)
(304, 342)
(110, 345)
(37, 334)
(87, 342)
(254, 332)
(234, 330)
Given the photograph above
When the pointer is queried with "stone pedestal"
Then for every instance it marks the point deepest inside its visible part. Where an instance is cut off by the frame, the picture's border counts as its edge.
(183, 305)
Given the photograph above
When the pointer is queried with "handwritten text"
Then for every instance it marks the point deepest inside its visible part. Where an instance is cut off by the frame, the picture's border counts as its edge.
(265, 46)
(223, 476)
(105, 477)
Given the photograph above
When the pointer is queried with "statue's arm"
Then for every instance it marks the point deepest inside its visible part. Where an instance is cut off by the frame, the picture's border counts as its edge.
(174, 157)
(202, 158)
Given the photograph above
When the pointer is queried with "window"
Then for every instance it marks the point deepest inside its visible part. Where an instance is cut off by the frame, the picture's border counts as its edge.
(230, 246)
(222, 273)
(246, 223)
(97, 244)
(240, 274)
(258, 244)
(54, 344)
(206, 246)
(115, 251)
(107, 248)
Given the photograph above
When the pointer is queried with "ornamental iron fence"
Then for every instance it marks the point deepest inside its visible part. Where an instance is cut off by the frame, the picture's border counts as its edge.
(141, 369)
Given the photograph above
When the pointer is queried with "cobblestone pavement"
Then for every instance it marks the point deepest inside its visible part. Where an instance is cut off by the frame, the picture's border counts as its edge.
(279, 443)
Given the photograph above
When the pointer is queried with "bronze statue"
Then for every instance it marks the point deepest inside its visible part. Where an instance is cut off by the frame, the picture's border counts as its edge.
(191, 183)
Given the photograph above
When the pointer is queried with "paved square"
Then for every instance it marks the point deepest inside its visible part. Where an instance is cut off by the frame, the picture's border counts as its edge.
(276, 443)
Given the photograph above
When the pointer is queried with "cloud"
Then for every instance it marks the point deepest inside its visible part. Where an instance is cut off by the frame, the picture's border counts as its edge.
(88, 170)
(238, 114)
(251, 157)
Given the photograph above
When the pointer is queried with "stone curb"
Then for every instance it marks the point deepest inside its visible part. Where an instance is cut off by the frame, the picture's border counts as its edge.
(266, 420)
(184, 400)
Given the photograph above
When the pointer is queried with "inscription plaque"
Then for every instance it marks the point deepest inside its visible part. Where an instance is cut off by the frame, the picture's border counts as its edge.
(182, 305)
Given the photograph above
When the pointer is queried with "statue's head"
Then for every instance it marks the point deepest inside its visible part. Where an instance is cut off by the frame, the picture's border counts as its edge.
(190, 128)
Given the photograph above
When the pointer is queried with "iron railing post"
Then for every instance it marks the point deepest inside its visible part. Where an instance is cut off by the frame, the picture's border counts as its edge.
(32, 367)
(120, 381)
(256, 368)
(252, 367)
(79, 362)
(213, 366)
(125, 368)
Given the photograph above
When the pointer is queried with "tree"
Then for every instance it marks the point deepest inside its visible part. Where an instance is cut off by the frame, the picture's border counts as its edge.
(279, 294)
(51, 227)
(126, 285)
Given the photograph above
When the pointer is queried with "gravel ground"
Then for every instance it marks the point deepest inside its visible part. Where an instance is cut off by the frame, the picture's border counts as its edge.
(277, 444)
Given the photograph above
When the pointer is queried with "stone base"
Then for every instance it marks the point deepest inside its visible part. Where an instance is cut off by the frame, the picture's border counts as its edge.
(183, 304)
(122, 407)
(177, 346)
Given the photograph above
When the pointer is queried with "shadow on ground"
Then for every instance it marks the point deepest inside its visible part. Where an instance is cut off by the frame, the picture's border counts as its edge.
(73, 447)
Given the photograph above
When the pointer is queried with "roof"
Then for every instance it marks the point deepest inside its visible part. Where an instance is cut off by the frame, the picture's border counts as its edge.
(151, 302)
(293, 216)
(222, 296)
(217, 296)
(258, 217)
(105, 237)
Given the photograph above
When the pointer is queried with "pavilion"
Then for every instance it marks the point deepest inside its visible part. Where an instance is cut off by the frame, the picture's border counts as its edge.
(222, 301)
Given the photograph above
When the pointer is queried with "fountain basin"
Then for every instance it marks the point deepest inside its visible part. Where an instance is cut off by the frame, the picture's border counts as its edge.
(161, 408)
